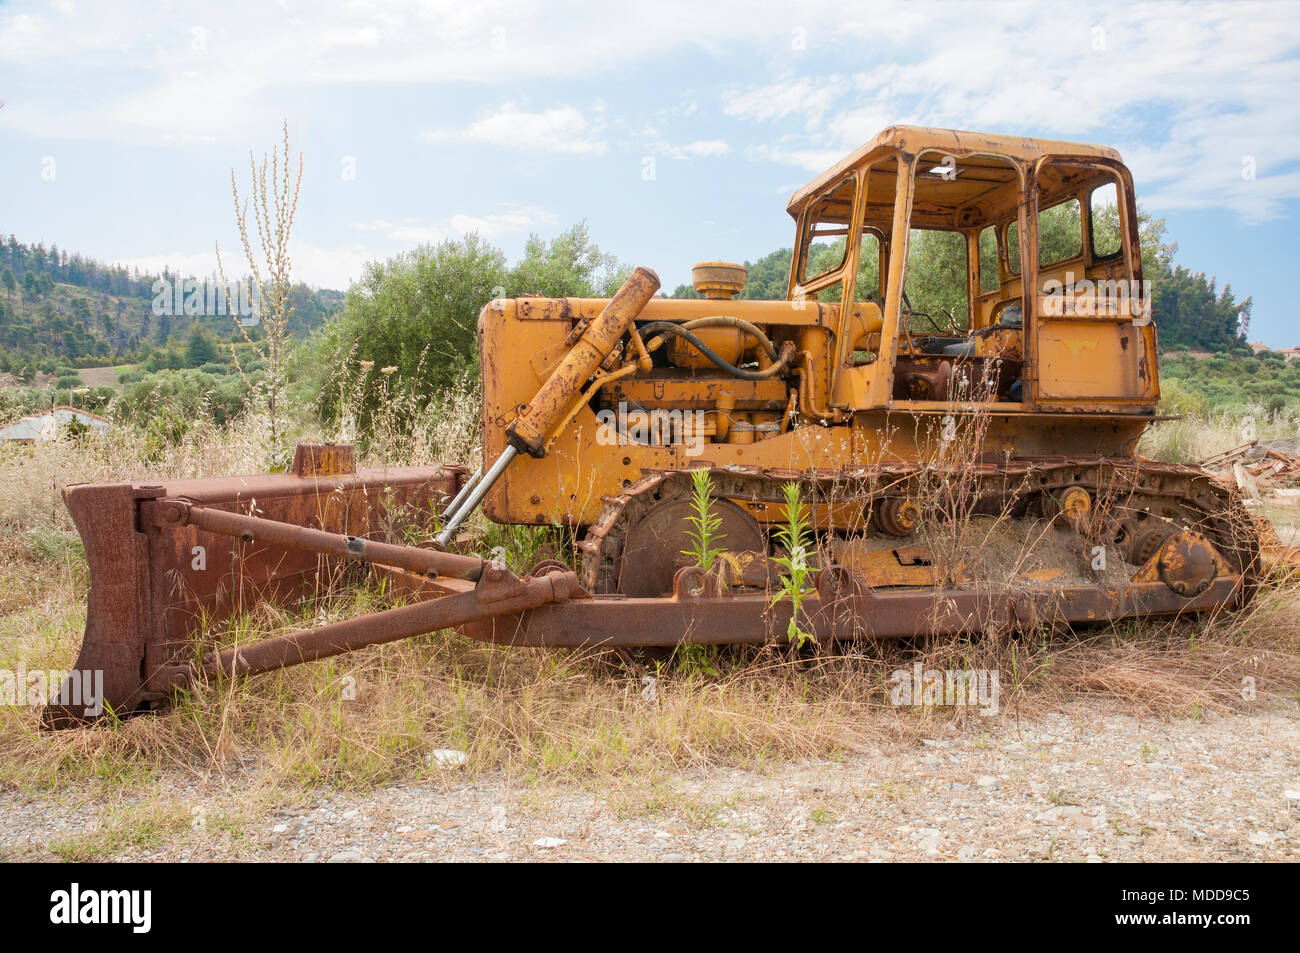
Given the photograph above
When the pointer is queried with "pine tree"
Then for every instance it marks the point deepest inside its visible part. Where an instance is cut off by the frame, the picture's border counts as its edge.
(199, 349)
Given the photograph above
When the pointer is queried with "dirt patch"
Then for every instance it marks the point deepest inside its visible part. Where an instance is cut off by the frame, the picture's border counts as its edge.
(99, 376)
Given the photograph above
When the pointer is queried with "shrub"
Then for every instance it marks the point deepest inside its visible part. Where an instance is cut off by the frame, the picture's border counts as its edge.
(180, 396)
(1176, 400)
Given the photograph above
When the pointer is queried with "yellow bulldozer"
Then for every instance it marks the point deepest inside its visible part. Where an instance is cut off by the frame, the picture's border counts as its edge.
(966, 462)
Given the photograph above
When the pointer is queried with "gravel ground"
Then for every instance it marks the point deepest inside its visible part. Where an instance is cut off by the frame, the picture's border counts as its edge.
(1082, 784)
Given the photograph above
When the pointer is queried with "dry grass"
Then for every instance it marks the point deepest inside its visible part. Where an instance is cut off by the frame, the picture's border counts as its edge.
(152, 823)
(549, 715)
(377, 715)
(1192, 439)
(34, 474)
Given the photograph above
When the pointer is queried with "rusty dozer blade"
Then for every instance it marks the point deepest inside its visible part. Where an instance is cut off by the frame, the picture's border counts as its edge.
(157, 577)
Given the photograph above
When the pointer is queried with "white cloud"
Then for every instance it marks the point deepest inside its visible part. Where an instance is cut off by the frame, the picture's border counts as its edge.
(319, 265)
(812, 159)
(32, 37)
(512, 222)
(1186, 92)
(700, 148)
(805, 96)
(252, 52)
(189, 263)
(412, 231)
(563, 129)
(407, 231)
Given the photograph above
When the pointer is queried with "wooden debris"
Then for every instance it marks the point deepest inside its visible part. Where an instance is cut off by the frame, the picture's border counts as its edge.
(1224, 458)
(1245, 481)
(1273, 469)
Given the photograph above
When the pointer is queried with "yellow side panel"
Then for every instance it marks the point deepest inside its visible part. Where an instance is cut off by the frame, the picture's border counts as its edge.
(1089, 360)
(852, 387)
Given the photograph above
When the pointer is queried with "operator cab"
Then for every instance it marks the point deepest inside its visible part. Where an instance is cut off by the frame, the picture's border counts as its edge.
(932, 227)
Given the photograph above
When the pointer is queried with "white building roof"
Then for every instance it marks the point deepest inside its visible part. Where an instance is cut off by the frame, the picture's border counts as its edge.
(46, 426)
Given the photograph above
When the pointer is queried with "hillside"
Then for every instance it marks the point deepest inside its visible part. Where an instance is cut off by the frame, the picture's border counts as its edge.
(60, 309)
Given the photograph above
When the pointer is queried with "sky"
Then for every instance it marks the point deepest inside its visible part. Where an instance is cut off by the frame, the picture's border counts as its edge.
(676, 129)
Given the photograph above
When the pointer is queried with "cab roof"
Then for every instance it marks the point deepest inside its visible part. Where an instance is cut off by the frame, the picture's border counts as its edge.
(914, 140)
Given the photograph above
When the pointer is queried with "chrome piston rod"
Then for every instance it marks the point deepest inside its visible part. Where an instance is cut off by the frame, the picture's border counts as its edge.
(465, 491)
(481, 489)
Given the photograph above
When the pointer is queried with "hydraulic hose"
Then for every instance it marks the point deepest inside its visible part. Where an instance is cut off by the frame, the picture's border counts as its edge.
(727, 321)
(667, 327)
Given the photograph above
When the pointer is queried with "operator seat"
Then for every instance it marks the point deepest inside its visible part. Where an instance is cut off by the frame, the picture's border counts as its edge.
(1012, 316)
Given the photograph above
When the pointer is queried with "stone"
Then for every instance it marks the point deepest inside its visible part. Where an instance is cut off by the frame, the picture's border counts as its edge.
(447, 758)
